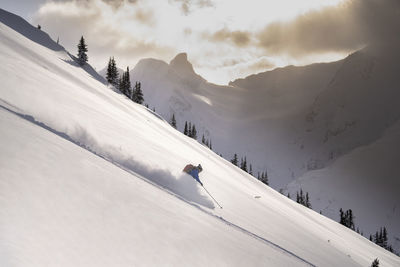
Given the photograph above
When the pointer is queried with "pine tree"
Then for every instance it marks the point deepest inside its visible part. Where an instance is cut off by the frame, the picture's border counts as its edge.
(137, 95)
(288, 195)
(384, 238)
(190, 129)
(307, 203)
(235, 160)
(128, 91)
(185, 131)
(342, 221)
(203, 139)
(173, 120)
(210, 145)
(264, 178)
(121, 83)
(194, 132)
(112, 72)
(375, 263)
(376, 238)
(251, 170)
(245, 164)
(109, 75)
(82, 49)
(351, 220)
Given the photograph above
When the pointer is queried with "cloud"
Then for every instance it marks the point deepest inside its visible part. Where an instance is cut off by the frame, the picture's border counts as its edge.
(105, 28)
(238, 38)
(345, 27)
(118, 3)
(187, 6)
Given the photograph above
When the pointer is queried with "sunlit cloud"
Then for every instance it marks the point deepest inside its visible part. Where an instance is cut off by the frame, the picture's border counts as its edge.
(253, 35)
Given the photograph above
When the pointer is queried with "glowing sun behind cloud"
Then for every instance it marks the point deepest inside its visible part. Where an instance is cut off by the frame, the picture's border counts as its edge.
(224, 39)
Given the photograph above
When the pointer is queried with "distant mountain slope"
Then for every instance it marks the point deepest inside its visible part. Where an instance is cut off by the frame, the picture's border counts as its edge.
(89, 178)
(225, 114)
(291, 120)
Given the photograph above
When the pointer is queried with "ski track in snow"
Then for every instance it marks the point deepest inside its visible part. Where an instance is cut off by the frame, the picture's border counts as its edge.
(65, 136)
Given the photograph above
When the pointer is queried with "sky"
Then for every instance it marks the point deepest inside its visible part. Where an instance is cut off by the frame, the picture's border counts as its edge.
(224, 39)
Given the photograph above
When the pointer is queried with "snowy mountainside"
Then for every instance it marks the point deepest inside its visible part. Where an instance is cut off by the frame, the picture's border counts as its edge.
(225, 114)
(88, 178)
(294, 120)
(365, 180)
(353, 125)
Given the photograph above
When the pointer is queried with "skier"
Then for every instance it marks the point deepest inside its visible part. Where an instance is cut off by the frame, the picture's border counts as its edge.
(194, 171)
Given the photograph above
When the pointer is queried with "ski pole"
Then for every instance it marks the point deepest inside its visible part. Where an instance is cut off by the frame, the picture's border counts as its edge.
(212, 197)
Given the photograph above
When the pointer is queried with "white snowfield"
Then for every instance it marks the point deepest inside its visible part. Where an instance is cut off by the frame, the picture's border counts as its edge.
(88, 178)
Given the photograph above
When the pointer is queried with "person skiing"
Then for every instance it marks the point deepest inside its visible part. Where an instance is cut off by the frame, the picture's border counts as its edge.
(194, 171)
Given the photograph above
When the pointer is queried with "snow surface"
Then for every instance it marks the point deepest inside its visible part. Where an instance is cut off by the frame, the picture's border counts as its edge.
(88, 178)
(293, 121)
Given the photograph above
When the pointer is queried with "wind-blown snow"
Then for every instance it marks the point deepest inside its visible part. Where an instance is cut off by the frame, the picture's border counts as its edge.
(88, 178)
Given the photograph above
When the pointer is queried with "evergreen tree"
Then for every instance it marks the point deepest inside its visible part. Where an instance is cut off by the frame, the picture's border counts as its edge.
(288, 195)
(125, 83)
(194, 132)
(190, 129)
(342, 221)
(112, 72)
(185, 131)
(251, 170)
(376, 239)
(121, 83)
(82, 49)
(307, 203)
(137, 95)
(235, 160)
(128, 91)
(109, 75)
(210, 145)
(245, 164)
(375, 263)
(384, 238)
(203, 139)
(264, 178)
(173, 120)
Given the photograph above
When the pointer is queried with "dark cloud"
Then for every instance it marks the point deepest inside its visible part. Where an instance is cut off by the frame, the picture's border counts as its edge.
(238, 38)
(341, 28)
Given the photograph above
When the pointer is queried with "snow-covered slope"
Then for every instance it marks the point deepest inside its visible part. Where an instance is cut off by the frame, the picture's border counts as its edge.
(354, 124)
(294, 120)
(263, 108)
(88, 178)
